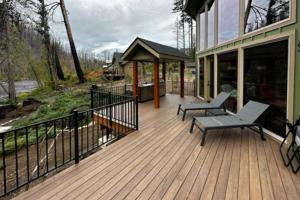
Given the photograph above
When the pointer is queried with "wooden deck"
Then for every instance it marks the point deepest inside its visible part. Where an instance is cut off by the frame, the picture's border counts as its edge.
(163, 161)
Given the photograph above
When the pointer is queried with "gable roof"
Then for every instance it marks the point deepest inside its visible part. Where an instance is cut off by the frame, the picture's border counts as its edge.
(158, 50)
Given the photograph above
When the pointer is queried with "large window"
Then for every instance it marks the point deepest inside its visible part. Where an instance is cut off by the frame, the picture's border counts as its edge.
(265, 80)
(228, 20)
(211, 25)
(260, 13)
(202, 31)
(227, 78)
(201, 77)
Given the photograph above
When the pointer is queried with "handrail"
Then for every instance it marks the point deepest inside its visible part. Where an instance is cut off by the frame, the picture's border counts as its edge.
(33, 151)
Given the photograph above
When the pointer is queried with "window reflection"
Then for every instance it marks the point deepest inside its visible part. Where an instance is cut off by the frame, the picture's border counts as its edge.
(228, 20)
(201, 77)
(211, 25)
(260, 13)
(202, 31)
(227, 78)
(265, 80)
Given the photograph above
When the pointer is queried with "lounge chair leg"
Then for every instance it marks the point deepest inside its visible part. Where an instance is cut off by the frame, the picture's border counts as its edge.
(203, 138)
(179, 107)
(184, 113)
(193, 124)
(295, 170)
(262, 133)
(286, 163)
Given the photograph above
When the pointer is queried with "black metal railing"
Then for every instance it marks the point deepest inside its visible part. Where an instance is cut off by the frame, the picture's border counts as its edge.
(173, 87)
(34, 151)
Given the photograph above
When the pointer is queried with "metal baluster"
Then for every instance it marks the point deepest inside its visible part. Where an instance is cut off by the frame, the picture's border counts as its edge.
(81, 131)
(63, 140)
(98, 127)
(87, 131)
(55, 145)
(4, 164)
(47, 157)
(93, 130)
(70, 136)
(16, 159)
(75, 118)
(37, 150)
(27, 156)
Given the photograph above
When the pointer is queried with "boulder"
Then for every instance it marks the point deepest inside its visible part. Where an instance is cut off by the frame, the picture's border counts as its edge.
(31, 102)
(5, 109)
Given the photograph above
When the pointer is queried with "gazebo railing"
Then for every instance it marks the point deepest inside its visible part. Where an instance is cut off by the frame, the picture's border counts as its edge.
(173, 87)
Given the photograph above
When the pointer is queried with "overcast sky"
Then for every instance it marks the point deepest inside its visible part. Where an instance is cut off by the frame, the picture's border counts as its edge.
(100, 25)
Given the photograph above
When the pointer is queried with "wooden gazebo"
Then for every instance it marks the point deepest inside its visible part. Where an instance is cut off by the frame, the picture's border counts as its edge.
(142, 50)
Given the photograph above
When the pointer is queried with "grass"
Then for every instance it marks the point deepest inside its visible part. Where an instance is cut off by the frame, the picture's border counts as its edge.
(63, 104)
(55, 104)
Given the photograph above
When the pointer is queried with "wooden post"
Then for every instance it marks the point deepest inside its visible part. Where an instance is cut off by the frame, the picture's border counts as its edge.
(164, 71)
(182, 79)
(156, 83)
(135, 78)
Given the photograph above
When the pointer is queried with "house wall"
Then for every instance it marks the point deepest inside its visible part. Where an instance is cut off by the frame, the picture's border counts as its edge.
(289, 29)
(297, 66)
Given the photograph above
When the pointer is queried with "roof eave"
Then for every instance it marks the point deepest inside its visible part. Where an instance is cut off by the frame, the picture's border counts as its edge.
(192, 6)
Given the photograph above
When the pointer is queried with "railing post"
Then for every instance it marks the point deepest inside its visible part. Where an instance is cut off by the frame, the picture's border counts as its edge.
(76, 142)
(137, 112)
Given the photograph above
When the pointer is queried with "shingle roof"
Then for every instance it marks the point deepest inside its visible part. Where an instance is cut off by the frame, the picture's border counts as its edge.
(163, 49)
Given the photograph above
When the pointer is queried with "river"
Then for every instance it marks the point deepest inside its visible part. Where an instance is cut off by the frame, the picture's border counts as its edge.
(21, 86)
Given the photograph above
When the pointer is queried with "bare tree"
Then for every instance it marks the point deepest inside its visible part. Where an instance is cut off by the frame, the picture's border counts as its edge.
(78, 69)
(44, 31)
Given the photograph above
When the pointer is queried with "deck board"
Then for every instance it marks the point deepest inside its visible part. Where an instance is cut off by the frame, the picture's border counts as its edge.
(164, 161)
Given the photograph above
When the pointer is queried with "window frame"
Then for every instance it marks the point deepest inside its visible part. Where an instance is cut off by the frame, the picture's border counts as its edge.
(242, 34)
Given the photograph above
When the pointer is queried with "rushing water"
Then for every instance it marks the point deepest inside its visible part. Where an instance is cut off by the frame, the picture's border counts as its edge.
(21, 86)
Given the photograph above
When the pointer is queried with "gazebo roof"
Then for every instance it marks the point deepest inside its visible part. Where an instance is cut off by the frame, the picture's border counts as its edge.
(144, 50)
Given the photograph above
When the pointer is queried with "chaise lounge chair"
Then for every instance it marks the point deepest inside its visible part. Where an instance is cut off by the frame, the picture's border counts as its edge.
(217, 103)
(246, 118)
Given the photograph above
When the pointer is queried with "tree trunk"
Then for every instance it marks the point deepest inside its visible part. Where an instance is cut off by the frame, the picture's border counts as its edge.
(46, 42)
(247, 13)
(78, 69)
(270, 13)
(10, 68)
(59, 71)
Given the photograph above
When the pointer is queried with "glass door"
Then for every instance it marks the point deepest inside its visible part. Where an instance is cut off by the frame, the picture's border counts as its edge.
(201, 78)
(211, 75)
(227, 78)
(266, 79)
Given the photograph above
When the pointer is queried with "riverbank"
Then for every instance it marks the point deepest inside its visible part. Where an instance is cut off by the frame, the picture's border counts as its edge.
(21, 87)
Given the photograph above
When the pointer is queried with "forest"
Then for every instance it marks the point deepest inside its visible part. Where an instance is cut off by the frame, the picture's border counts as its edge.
(28, 51)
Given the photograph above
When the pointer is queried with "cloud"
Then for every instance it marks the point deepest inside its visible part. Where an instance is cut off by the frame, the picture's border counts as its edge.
(100, 25)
